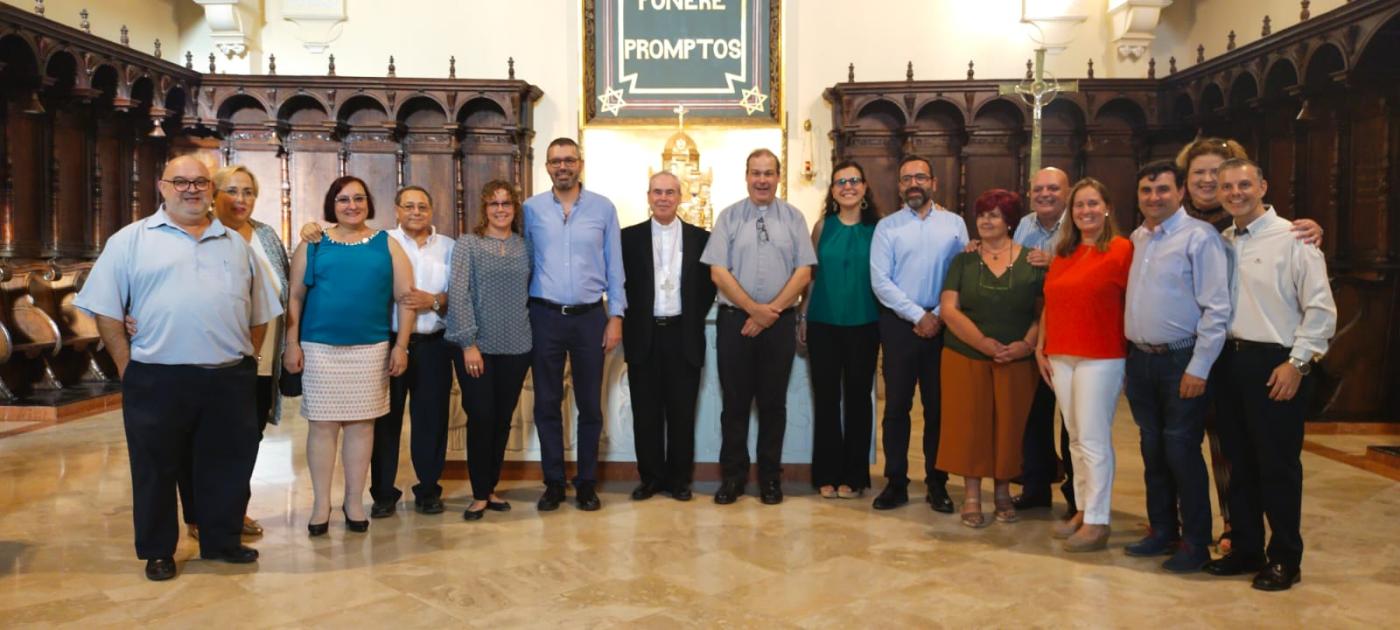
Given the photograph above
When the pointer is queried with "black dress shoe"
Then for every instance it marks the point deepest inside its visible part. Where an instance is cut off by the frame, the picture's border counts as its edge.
(729, 492)
(242, 554)
(473, 515)
(317, 529)
(587, 497)
(1030, 500)
(682, 493)
(354, 526)
(644, 492)
(939, 500)
(429, 506)
(552, 497)
(891, 497)
(1237, 563)
(497, 506)
(770, 492)
(383, 509)
(160, 569)
(1277, 577)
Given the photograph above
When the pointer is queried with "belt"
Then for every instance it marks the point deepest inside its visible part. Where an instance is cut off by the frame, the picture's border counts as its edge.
(566, 309)
(1245, 344)
(417, 337)
(1163, 348)
(667, 320)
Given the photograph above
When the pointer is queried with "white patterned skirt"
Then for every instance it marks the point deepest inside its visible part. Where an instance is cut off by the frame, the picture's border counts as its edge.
(345, 383)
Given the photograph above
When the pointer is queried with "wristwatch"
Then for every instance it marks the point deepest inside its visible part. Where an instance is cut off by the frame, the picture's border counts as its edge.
(436, 305)
(1302, 366)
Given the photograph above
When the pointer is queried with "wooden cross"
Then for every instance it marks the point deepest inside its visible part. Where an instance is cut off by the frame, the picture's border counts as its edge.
(1038, 91)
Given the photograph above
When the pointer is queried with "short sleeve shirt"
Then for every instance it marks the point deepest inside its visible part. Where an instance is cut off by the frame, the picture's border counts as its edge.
(761, 246)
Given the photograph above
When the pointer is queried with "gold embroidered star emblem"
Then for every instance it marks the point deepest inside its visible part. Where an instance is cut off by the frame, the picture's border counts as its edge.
(612, 101)
(753, 100)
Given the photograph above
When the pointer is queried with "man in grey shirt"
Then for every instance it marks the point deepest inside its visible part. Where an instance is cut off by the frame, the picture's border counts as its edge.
(760, 258)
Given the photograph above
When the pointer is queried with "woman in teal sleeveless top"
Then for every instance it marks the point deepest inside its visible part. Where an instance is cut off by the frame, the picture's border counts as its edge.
(338, 322)
(838, 324)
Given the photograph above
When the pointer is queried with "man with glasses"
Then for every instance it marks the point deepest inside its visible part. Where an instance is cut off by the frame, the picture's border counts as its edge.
(577, 247)
(189, 374)
(430, 365)
(909, 255)
(760, 258)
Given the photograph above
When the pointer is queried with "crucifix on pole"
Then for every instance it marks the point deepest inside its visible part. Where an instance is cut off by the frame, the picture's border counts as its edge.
(1037, 91)
(680, 111)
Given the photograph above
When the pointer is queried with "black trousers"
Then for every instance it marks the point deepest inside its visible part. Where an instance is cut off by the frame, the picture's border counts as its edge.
(429, 380)
(185, 483)
(842, 360)
(490, 400)
(580, 339)
(910, 360)
(664, 388)
(1263, 439)
(753, 369)
(185, 415)
(1039, 463)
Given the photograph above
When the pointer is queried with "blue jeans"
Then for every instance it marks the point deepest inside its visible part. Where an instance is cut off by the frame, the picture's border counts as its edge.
(1171, 430)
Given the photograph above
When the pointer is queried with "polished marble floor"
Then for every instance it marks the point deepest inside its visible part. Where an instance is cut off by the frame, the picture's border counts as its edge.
(66, 558)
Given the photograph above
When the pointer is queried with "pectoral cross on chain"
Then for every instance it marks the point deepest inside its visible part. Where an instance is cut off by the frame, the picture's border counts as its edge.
(1037, 92)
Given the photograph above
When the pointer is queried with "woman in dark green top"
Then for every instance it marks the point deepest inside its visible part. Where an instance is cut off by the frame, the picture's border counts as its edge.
(991, 304)
(837, 322)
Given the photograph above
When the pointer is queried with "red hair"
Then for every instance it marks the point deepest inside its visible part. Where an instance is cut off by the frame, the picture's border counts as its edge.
(1009, 203)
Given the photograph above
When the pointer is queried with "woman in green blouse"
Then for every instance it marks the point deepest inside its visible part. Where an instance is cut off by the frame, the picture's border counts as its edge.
(837, 323)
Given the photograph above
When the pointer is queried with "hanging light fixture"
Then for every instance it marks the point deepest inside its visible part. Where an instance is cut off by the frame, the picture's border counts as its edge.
(36, 107)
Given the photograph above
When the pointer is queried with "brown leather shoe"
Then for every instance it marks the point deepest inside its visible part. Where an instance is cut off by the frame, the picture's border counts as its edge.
(1065, 529)
(1088, 538)
(251, 527)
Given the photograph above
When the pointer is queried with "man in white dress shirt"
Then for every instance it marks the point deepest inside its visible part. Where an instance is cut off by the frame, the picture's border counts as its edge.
(430, 366)
(1283, 317)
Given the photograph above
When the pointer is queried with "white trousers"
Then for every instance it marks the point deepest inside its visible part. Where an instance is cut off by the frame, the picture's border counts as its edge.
(1087, 391)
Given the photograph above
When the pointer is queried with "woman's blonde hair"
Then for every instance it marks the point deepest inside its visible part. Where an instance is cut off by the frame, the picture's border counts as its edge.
(223, 175)
(1070, 236)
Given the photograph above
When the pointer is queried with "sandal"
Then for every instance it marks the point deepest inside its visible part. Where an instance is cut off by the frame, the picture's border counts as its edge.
(827, 492)
(1005, 510)
(847, 492)
(974, 517)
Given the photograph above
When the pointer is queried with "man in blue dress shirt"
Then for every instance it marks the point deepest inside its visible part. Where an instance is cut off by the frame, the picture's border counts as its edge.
(189, 374)
(577, 247)
(909, 255)
(1177, 312)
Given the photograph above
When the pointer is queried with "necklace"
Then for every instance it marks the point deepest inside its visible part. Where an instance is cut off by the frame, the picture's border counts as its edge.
(996, 255)
(361, 241)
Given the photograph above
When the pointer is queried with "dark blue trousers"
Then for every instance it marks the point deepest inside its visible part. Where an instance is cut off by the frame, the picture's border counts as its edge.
(1171, 429)
(578, 338)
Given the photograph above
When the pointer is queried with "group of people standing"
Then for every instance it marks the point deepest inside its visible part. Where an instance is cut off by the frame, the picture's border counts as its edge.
(1046, 309)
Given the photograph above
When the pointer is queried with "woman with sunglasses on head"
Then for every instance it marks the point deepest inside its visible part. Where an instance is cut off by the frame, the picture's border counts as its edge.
(1201, 160)
(343, 291)
(837, 321)
(488, 317)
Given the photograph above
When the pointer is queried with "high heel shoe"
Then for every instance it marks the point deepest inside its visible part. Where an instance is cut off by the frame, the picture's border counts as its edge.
(354, 526)
(318, 529)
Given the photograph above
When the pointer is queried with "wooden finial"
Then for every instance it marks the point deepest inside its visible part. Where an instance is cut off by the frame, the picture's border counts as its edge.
(330, 70)
(1231, 44)
(1200, 53)
(189, 60)
(510, 68)
(1171, 69)
(1268, 27)
(1030, 73)
(272, 64)
(391, 66)
(1091, 68)
(452, 67)
(1305, 14)
(39, 6)
(1152, 68)
(969, 69)
(851, 72)
(126, 39)
(83, 21)
(909, 72)
(157, 48)
(211, 63)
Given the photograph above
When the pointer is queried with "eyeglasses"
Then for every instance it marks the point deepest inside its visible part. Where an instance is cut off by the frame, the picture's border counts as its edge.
(416, 207)
(500, 204)
(568, 161)
(762, 230)
(916, 177)
(345, 200)
(848, 181)
(239, 192)
(183, 185)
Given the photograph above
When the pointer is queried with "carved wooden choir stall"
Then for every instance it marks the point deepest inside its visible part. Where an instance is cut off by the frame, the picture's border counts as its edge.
(87, 125)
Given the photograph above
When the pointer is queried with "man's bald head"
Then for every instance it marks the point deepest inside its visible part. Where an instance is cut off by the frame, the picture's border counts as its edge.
(186, 187)
(1049, 194)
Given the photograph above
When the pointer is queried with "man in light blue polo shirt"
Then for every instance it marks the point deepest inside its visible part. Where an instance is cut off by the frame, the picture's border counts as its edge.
(189, 374)
(909, 255)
